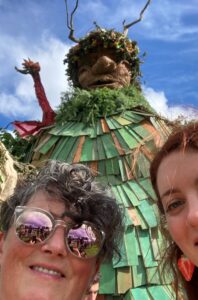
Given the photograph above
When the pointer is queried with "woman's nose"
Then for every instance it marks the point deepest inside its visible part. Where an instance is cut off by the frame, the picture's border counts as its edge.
(56, 245)
(192, 216)
(103, 65)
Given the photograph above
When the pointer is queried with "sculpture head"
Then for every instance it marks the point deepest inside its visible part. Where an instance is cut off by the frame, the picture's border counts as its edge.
(103, 58)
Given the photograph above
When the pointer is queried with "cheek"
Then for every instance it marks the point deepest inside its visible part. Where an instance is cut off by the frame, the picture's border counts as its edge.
(13, 250)
(83, 271)
(123, 72)
(84, 77)
(176, 230)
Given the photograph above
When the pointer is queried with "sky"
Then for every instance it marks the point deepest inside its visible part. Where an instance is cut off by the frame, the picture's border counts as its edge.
(37, 29)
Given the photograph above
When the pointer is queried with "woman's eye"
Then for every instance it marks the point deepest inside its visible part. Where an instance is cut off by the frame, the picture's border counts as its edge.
(174, 205)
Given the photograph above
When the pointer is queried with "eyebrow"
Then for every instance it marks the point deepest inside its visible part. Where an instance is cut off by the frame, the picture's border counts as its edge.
(172, 190)
(168, 192)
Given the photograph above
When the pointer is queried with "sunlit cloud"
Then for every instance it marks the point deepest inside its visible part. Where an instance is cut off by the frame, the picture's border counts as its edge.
(158, 100)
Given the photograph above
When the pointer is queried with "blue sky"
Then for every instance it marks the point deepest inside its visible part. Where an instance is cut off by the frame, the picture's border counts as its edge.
(37, 29)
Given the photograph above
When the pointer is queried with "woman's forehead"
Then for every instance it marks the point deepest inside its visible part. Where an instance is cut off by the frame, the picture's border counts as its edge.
(42, 199)
(177, 168)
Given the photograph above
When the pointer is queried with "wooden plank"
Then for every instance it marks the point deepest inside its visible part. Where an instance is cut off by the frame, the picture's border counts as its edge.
(60, 145)
(139, 273)
(95, 155)
(155, 134)
(115, 123)
(138, 191)
(69, 158)
(131, 196)
(42, 141)
(128, 250)
(153, 275)
(134, 216)
(49, 144)
(99, 128)
(122, 169)
(79, 150)
(124, 197)
(109, 146)
(101, 150)
(141, 130)
(66, 148)
(87, 150)
(146, 209)
(104, 125)
(122, 142)
(101, 167)
(141, 293)
(117, 144)
(115, 164)
(146, 184)
(59, 128)
(146, 248)
(135, 116)
(109, 167)
(121, 120)
(161, 292)
(124, 280)
(128, 138)
(135, 135)
(108, 279)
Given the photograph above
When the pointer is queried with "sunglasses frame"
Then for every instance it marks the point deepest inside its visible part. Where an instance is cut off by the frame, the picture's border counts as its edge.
(56, 223)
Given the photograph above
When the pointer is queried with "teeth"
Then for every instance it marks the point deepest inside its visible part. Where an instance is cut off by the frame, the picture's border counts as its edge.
(47, 271)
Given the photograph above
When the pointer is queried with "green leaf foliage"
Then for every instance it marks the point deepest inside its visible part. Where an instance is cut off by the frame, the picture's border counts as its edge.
(86, 106)
(17, 146)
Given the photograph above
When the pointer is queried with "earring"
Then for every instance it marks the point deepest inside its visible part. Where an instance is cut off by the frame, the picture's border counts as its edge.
(186, 267)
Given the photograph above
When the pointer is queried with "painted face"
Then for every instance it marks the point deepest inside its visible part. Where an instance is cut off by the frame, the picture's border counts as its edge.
(101, 69)
(44, 271)
(93, 292)
(177, 182)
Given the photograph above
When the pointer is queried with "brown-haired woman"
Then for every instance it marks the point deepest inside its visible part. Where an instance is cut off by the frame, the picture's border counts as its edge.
(174, 176)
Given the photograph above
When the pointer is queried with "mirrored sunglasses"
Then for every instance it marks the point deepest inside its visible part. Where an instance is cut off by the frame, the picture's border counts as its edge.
(36, 226)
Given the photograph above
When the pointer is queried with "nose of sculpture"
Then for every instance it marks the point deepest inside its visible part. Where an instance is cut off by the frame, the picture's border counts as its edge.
(104, 64)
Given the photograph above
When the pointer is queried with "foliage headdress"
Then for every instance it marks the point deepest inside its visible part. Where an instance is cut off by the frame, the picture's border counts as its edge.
(124, 48)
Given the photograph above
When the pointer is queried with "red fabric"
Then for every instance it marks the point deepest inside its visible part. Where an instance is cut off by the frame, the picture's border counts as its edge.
(27, 127)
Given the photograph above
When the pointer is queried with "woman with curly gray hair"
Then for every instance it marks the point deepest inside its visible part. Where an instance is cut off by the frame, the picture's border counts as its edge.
(56, 229)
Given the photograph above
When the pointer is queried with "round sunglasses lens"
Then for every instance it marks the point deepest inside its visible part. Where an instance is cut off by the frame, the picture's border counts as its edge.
(84, 241)
(33, 227)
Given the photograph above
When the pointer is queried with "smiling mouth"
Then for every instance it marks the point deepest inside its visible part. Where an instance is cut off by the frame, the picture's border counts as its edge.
(47, 271)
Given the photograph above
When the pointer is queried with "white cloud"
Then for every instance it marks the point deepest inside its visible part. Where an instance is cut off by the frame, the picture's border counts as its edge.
(22, 102)
(158, 100)
(164, 20)
(13, 106)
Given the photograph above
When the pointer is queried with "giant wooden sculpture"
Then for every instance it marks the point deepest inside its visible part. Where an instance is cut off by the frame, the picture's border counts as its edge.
(106, 123)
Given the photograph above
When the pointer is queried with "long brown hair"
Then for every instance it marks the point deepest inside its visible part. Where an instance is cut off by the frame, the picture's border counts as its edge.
(183, 138)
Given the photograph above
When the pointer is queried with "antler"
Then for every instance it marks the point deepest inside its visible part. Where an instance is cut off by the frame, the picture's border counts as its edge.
(70, 22)
(126, 27)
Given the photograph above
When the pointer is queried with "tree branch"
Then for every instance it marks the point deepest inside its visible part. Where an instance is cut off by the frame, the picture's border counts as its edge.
(126, 27)
(70, 22)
